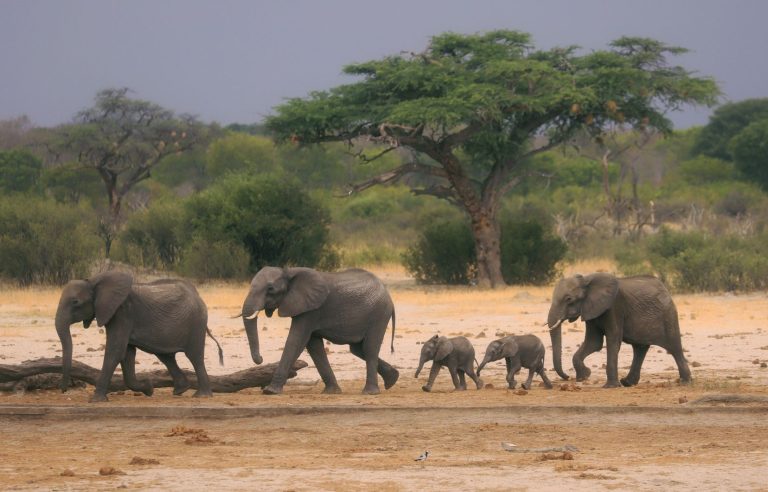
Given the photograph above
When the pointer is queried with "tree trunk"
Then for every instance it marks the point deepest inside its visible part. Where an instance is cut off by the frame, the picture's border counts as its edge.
(13, 376)
(487, 235)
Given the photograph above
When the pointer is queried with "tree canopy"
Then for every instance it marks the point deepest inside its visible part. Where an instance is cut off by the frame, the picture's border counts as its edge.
(473, 108)
(123, 139)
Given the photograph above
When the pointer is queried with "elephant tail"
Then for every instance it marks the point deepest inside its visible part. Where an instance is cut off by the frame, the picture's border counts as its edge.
(221, 352)
(392, 344)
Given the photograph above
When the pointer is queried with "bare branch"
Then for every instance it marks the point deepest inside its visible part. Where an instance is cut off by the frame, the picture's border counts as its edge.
(395, 174)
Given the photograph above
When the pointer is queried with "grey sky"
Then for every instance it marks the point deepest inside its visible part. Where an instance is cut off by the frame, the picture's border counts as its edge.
(234, 60)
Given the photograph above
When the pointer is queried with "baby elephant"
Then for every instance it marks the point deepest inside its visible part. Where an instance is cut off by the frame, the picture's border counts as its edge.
(518, 351)
(457, 354)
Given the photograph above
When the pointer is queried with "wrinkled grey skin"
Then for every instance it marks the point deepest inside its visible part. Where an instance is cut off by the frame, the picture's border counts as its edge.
(351, 307)
(637, 310)
(457, 354)
(518, 351)
(162, 318)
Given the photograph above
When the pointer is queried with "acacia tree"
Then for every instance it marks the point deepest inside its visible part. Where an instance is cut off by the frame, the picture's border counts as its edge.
(123, 139)
(473, 108)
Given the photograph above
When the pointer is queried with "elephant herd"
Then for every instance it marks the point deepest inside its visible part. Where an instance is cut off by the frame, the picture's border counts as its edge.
(353, 308)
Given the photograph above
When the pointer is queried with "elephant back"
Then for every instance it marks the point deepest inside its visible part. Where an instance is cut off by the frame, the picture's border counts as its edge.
(167, 302)
(360, 287)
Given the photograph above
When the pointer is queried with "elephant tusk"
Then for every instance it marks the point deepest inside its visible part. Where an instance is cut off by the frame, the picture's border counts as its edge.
(253, 316)
(557, 324)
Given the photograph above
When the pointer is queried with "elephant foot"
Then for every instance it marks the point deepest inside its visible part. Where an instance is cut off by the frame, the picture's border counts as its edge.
(548, 386)
(686, 382)
(180, 390)
(97, 398)
(460, 388)
(272, 390)
(148, 391)
(390, 378)
(512, 385)
(627, 382)
(583, 374)
(526, 386)
(612, 384)
(371, 390)
(426, 388)
(203, 394)
(332, 390)
(479, 384)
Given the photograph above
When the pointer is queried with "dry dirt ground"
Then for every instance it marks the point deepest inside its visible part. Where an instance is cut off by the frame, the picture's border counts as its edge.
(650, 437)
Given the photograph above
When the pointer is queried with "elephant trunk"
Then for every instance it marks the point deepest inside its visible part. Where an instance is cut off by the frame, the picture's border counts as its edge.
(422, 361)
(251, 329)
(62, 328)
(556, 335)
(485, 361)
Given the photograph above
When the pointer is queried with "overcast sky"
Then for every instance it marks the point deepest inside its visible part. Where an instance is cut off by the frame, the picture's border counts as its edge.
(234, 60)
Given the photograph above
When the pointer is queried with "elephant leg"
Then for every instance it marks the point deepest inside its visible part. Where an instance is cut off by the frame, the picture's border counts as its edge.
(371, 345)
(513, 366)
(638, 356)
(540, 370)
(128, 364)
(320, 358)
(462, 380)
(682, 367)
(471, 373)
(197, 358)
(433, 372)
(612, 345)
(593, 342)
(180, 381)
(455, 378)
(527, 384)
(387, 372)
(117, 343)
(297, 340)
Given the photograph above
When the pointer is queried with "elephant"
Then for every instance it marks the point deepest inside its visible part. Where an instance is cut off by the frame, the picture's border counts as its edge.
(457, 354)
(518, 351)
(350, 307)
(637, 310)
(161, 317)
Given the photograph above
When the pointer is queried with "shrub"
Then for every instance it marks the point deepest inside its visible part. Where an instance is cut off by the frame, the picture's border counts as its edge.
(445, 253)
(153, 238)
(271, 217)
(697, 262)
(44, 242)
(528, 254)
(215, 260)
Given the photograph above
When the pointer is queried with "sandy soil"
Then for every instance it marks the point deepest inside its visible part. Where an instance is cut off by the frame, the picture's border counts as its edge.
(652, 436)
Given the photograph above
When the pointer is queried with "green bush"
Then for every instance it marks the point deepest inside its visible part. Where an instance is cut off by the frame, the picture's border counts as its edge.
(270, 216)
(153, 238)
(445, 253)
(42, 241)
(698, 262)
(215, 260)
(528, 254)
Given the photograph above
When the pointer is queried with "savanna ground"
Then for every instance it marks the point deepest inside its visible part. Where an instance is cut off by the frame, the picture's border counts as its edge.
(652, 436)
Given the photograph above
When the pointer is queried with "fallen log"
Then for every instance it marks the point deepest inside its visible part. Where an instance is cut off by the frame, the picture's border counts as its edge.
(27, 375)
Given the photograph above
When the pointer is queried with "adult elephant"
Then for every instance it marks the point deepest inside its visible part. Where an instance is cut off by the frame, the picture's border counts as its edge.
(637, 310)
(350, 307)
(162, 317)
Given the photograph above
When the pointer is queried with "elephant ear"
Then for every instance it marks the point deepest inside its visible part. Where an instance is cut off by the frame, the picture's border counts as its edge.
(510, 348)
(602, 289)
(444, 347)
(110, 290)
(307, 291)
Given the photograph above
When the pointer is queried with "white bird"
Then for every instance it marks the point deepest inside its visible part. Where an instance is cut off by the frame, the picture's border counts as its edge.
(423, 456)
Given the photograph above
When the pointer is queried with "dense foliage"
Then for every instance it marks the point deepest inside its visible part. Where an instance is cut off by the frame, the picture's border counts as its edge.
(43, 242)
(444, 254)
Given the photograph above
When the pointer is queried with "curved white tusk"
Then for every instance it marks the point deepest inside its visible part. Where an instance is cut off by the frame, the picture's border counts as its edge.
(253, 316)
(557, 324)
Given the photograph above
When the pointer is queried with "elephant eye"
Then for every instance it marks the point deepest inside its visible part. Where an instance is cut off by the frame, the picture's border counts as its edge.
(270, 288)
(75, 302)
